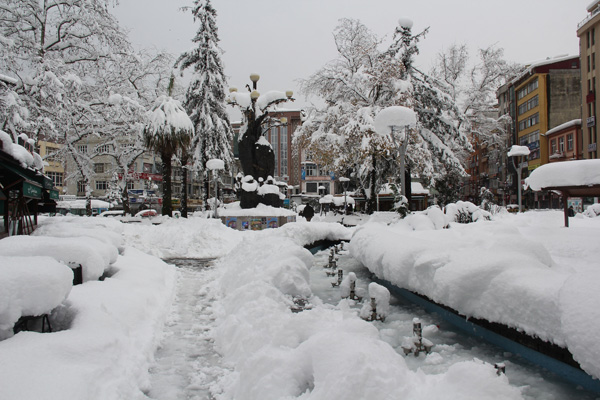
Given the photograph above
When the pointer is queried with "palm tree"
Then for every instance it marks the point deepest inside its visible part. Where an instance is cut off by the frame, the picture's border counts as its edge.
(169, 129)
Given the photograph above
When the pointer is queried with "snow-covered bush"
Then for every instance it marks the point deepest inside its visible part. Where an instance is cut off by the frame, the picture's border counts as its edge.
(400, 202)
(465, 212)
(592, 211)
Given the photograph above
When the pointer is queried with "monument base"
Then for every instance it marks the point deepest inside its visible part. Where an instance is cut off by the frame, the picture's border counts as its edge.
(255, 219)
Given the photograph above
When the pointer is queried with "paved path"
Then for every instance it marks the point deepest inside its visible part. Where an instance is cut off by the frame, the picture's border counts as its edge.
(186, 363)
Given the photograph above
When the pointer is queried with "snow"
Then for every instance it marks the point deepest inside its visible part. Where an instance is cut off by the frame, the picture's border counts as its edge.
(509, 271)
(524, 270)
(241, 99)
(168, 117)
(30, 286)
(517, 150)
(567, 173)
(568, 124)
(396, 116)
(215, 164)
(16, 151)
(8, 79)
(267, 98)
(235, 210)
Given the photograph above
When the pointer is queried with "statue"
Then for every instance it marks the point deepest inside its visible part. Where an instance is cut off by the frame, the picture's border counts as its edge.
(256, 154)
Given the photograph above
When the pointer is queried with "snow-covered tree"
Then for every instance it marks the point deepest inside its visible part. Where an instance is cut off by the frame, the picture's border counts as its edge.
(168, 130)
(356, 86)
(205, 97)
(474, 87)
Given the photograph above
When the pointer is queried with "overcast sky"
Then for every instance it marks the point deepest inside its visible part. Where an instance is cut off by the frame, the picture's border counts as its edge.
(286, 40)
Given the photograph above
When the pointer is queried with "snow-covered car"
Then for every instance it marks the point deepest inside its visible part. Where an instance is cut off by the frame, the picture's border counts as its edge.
(147, 213)
(112, 213)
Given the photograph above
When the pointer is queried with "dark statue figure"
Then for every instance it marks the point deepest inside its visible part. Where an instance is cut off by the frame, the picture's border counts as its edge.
(257, 160)
(257, 157)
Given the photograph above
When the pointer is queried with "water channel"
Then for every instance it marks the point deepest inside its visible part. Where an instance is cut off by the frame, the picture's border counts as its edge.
(187, 365)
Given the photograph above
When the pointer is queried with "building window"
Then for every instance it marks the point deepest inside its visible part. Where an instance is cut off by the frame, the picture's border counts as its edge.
(284, 151)
(130, 185)
(80, 187)
(99, 168)
(275, 144)
(147, 168)
(589, 64)
(52, 154)
(553, 146)
(530, 87)
(311, 169)
(593, 60)
(101, 185)
(561, 144)
(529, 105)
(82, 148)
(593, 36)
(529, 122)
(57, 177)
(311, 187)
(105, 148)
(570, 142)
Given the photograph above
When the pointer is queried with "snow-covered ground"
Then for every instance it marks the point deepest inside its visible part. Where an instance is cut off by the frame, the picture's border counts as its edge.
(118, 338)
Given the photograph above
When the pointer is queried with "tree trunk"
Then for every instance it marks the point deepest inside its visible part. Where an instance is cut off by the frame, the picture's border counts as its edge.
(372, 199)
(167, 206)
(125, 200)
(184, 192)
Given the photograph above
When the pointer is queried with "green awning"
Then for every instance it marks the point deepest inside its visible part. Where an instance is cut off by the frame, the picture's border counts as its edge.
(30, 181)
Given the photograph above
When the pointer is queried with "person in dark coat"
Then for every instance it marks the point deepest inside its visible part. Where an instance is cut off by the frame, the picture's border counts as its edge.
(308, 212)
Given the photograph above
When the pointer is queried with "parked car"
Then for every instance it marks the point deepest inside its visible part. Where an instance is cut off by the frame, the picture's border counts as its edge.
(112, 213)
(146, 213)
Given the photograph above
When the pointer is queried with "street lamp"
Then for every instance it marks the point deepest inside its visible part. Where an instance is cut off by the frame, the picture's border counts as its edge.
(216, 165)
(517, 152)
(388, 123)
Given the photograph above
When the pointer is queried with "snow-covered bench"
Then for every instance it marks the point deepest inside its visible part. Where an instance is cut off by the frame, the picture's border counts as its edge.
(30, 287)
(94, 256)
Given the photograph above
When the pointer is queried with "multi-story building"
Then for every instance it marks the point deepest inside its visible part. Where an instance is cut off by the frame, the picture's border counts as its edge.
(547, 95)
(54, 168)
(586, 31)
(564, 141)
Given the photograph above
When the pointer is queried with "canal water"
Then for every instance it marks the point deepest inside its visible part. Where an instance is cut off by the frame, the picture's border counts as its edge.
(450, 345)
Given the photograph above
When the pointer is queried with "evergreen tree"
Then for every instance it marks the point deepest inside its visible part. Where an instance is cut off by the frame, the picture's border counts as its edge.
(205, 97)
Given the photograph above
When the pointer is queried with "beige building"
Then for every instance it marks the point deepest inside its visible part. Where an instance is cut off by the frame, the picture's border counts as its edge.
(588, 47)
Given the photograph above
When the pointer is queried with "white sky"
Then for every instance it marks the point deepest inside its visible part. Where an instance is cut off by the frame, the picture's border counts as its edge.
(285, 40)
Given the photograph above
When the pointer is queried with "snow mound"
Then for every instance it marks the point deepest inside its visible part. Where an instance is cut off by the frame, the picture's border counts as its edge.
(94, 256)
(30, 286)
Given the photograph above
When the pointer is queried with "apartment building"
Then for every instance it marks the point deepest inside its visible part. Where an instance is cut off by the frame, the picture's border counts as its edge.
(588, 48)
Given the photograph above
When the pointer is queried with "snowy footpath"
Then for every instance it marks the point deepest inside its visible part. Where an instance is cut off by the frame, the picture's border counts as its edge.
(186, 363)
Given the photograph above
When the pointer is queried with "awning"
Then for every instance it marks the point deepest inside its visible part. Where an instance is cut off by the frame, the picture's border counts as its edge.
(31, 183)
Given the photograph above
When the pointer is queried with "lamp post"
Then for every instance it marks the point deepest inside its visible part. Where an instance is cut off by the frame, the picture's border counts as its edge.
(216, 165)
(517, 152)
(389, 123)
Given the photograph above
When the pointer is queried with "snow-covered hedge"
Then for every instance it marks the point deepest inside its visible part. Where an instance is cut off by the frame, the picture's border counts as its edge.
(592, 211)
(465, 212)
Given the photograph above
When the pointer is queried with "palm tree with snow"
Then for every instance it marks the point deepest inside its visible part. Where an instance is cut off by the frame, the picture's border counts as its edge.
(168, 130)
